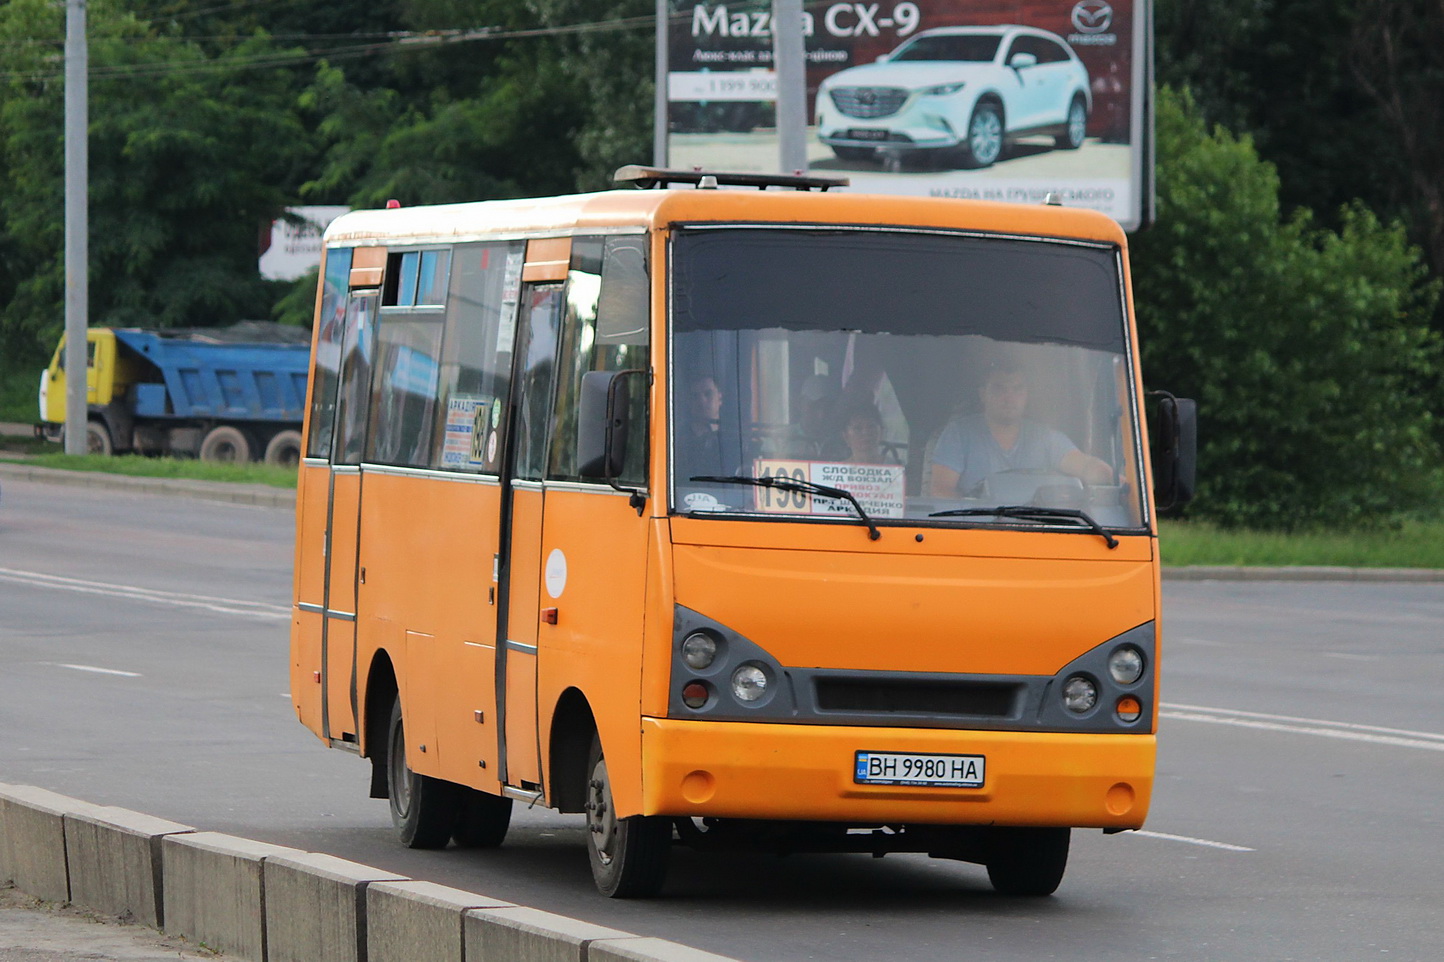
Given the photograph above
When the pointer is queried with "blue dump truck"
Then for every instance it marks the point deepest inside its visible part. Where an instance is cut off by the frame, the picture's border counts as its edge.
(233, 393)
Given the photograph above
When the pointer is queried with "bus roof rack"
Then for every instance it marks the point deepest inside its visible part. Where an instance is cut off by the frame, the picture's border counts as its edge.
(645, 177)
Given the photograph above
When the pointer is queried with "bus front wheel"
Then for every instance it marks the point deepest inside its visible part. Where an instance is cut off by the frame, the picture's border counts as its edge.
(423, 809)
(628, 855)
(1028, 861)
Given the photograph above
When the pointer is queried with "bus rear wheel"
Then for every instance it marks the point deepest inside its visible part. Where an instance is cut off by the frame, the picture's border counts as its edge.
(423, 809)
(1028, 861)
(482, 819)
(628, 855)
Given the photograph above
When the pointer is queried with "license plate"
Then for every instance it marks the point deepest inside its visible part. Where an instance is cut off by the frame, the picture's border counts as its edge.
(866, 133)
(899, 768)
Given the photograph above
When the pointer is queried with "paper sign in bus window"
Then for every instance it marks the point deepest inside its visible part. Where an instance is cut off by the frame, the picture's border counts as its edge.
(879, 488)
(468, 419)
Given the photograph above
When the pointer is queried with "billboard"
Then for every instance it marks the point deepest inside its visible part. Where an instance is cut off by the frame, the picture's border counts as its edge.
(291, 245)
(1006, 100)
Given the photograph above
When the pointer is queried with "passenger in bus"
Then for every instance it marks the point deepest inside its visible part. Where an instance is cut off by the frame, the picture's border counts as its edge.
(862, 433)
(810, 438)
(699, 443)
(973, 447)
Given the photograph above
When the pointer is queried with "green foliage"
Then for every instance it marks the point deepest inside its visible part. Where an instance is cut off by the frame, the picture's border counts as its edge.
(140, 466)
(1309, 351)
(1414, 544)
(190, 152)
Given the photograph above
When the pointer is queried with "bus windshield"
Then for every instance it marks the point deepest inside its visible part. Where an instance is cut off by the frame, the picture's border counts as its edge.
(930, 375)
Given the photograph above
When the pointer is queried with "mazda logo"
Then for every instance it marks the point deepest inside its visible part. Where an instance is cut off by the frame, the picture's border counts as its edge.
(1092, 16)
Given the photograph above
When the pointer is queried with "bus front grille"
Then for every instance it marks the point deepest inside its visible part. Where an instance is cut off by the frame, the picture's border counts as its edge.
(918, 697)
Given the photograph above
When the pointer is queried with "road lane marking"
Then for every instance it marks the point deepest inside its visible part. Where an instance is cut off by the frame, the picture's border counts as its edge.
(98, 671)
(1372, 734)
(175, 599)
(1227, 847)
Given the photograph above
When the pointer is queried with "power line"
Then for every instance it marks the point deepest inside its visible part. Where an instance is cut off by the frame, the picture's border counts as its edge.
(395, 43)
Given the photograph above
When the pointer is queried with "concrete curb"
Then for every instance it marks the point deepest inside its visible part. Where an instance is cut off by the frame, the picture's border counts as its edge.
(257, 494)
(268, 903)
(1302, 573)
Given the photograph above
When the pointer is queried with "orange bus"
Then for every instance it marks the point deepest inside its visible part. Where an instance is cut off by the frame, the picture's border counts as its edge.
(735, 512)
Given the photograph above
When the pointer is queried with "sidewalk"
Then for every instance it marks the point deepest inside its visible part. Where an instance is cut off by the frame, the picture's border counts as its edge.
(35, 931)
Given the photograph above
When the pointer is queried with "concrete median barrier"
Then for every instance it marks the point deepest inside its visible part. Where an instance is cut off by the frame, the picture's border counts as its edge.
(419, 921)
(648, 950)
(113, 857)
(530, 935)
(215, 891)
(256, 902)
(32, 840)
(316, 908)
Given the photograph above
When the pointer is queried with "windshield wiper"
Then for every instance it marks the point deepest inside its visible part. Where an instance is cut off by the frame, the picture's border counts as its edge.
(802, 487)
(1031, 513)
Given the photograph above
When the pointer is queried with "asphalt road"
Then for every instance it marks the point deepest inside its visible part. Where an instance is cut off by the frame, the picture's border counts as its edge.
(1298, 812)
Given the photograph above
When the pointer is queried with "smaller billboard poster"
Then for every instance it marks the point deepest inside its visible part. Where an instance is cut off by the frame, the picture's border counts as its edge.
(1008, 100)
(291, 245)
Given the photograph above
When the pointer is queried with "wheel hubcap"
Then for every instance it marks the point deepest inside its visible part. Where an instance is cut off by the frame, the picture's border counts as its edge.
(601, 818)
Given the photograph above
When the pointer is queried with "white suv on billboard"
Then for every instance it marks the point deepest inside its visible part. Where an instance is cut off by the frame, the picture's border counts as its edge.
(957, 91)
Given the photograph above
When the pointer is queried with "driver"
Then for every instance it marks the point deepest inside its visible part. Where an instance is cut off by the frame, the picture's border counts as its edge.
(1000, 439)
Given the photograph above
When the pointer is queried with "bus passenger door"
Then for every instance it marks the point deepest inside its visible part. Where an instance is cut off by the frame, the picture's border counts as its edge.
(533, 388)
(338, 638)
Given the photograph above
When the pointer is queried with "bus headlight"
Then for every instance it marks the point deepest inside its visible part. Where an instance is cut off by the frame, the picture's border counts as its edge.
(699, 650)
(1126, 665)
(1079, 694)
(749, 683)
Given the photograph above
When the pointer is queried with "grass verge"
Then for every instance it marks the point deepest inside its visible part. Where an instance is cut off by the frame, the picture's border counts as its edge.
(139, 466)
(1417, 544)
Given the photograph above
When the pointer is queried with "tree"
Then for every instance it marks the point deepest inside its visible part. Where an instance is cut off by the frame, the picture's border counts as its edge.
(1309, 350)
(189, 155)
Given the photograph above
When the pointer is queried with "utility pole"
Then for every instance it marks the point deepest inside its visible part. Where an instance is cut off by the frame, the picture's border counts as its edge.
(77, 225)
(661, 100)
(789, 59)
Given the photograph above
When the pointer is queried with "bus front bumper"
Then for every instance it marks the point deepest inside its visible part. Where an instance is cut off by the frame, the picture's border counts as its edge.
(806, 772)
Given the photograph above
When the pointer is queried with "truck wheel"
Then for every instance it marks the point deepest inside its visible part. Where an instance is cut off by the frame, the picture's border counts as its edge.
(628, 855)
(225, 444)
(284, 450)
(97, 439)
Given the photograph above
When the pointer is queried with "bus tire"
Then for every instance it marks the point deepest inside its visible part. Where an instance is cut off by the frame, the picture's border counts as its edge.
(423, 809)
(284, 450)
(225, 444)
(628, 855)
(97, 439)
(1028, 861)
(482, 820)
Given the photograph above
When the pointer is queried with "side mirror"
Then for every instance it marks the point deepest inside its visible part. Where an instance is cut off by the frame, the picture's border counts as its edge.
(1020, 60)
(1175, 451)
(601, 426)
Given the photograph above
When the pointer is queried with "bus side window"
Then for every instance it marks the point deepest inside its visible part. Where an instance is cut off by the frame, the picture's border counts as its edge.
(476, 357)
(327, 361)
(404, 390)
(608, 318)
